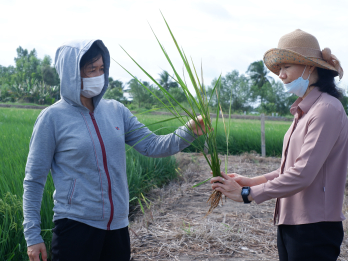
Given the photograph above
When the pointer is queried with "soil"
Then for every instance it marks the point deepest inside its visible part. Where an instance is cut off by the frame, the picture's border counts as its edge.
(174, 225)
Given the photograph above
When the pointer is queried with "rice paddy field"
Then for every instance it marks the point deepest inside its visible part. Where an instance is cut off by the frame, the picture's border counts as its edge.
(16, 126)
(143, 173)
(245, 135)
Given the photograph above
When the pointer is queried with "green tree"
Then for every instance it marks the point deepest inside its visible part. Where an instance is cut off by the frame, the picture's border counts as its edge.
(177, 93)
(32, 80)
(166, 81)
(30, 68)
(27, 66)
(233, 85)
(258, 74)
(6, 73)
(141, 97)
(48, 73)
(115, 90)
(276, 99)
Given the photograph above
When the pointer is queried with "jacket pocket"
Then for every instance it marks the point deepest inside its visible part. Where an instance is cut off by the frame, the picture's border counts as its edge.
(71, 191)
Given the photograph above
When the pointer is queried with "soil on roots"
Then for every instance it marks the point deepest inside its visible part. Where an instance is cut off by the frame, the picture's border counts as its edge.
(175, 226)
(214, 200)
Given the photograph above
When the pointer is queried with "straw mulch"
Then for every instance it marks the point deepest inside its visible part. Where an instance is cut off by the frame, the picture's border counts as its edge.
(174, 227)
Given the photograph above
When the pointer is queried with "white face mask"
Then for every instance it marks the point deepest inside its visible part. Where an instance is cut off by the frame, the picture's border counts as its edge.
(92, 86)
(298, 86)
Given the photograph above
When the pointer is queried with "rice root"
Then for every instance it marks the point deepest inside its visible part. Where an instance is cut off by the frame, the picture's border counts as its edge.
(214, 200)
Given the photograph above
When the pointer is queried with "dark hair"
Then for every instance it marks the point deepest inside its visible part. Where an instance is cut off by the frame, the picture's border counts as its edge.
(92, 55)
(326, 83)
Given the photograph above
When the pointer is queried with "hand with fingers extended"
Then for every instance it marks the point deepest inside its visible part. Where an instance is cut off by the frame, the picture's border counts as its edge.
(247, 182)
(227, 186)
(241, 180)
(35, 250)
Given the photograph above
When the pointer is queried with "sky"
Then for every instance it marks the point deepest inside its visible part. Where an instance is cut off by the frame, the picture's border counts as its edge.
(222, 35)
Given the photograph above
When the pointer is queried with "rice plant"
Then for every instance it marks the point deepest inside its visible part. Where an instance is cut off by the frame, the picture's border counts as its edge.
(199, 106)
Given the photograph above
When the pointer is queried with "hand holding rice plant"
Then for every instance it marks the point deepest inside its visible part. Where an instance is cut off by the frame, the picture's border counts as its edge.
(227, 186)
(199, 129)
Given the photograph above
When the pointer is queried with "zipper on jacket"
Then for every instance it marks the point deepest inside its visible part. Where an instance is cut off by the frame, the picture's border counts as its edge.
(105, 168)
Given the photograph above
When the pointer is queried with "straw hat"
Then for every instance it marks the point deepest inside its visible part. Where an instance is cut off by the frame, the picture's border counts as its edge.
(299, 47)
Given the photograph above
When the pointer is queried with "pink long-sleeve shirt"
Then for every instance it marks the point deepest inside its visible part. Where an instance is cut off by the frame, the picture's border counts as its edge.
(311, 187)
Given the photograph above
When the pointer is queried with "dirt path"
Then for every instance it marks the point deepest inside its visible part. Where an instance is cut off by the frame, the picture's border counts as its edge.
(174, 227)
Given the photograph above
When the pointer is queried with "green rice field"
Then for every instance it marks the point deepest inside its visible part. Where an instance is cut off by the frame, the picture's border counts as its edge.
(16, 126)
(143, 173)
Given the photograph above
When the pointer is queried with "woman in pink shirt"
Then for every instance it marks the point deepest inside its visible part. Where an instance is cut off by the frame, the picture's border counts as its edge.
(309, 184)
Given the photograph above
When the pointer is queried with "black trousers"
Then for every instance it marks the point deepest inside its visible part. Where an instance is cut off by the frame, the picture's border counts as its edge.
(72, 240)
(311, 242)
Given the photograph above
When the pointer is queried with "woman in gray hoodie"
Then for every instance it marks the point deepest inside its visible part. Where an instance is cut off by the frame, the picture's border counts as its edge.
(81, 139)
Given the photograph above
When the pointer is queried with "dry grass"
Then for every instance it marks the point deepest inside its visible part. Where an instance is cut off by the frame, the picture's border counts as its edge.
(174, 227)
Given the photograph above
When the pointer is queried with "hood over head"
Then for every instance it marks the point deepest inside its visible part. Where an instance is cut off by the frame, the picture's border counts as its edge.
(67, 64)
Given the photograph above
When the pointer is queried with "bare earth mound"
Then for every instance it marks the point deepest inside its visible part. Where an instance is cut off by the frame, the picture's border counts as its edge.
(174, 227)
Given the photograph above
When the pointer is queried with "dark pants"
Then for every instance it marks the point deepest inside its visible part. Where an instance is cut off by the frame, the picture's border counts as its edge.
(317, 241)
(72, 240)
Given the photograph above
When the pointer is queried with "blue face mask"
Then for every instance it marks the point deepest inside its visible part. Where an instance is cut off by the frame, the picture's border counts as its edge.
(298, 86)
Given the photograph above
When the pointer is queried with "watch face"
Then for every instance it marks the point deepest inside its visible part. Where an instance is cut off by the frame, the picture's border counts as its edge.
(245, 191)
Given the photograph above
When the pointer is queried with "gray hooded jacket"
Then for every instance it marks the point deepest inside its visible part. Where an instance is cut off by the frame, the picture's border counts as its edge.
(86, 152)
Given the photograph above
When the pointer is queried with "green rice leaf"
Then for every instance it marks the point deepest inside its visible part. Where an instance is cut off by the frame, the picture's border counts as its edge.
(202, 182)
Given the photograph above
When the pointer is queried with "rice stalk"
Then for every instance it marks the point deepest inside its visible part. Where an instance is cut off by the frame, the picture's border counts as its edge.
(198, 105)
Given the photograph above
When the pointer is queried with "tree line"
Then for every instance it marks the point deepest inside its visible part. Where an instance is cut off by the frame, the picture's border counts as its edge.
(253, 91)
(34, 80)
(31, 79)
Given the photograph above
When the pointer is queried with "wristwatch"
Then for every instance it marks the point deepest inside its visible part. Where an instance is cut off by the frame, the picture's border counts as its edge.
(245, 193)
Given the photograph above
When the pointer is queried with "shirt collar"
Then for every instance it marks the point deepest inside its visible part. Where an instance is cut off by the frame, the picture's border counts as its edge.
(306, 103)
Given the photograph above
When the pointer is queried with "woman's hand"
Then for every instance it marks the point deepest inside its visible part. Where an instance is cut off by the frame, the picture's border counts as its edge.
(227, 186)
(241, 180)
(191, 124)
(247, 182)
(35, 250)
